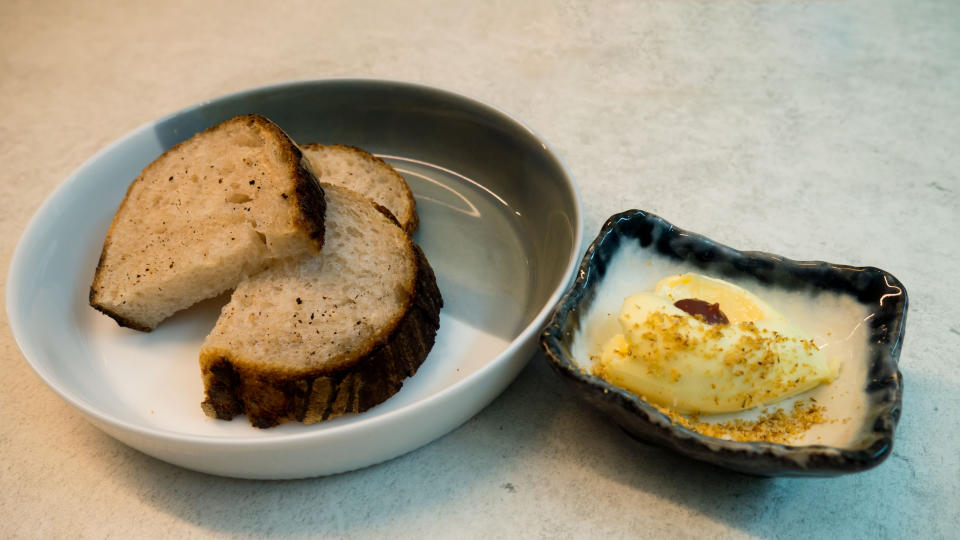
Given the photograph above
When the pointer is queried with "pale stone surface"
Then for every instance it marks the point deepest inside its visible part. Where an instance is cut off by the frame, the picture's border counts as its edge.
(818, 130)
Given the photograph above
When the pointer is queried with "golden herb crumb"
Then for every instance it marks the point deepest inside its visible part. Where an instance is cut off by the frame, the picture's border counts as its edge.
(778, 426)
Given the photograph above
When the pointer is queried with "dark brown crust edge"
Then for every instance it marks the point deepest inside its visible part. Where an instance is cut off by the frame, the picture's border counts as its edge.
(307, 190)
(269, 400)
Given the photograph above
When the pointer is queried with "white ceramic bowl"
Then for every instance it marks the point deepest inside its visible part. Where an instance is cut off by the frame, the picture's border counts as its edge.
(500, 224)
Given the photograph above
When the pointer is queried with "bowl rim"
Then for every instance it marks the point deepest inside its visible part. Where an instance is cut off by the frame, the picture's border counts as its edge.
(855, 459)
(17, 272)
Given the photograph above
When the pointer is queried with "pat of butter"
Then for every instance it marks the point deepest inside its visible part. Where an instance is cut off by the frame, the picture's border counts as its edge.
(678, 361)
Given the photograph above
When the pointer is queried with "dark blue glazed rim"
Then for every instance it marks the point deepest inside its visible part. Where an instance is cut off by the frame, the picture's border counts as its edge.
(883, 294)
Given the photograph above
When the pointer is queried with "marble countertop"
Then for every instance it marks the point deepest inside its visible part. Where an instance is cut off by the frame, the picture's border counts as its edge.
(818, 130)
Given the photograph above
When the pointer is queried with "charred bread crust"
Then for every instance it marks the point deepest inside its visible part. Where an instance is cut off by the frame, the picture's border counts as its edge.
(121, 320)
(389, 215)
(414, 221)
(269, 398)
(311, 202)
(307, 191)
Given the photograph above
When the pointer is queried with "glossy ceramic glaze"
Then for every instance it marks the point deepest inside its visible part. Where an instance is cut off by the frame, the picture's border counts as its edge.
(874, 304)
(499, 223)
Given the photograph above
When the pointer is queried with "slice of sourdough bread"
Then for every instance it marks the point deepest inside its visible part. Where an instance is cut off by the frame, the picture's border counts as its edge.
(315, 337)
(204, 215)
(366, 174)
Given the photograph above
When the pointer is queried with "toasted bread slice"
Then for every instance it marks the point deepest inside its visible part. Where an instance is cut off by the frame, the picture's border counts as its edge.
(316, 337)
(368, 175)
(205, 214)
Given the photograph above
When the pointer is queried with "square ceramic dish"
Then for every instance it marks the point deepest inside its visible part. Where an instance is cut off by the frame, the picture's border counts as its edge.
(859, 312)
(499, 223)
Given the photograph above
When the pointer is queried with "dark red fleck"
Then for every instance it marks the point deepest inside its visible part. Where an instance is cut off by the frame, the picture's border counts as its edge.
(710, 312)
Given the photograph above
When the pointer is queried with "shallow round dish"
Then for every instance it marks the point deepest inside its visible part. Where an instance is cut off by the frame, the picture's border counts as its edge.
(855, 314)
(499, 222)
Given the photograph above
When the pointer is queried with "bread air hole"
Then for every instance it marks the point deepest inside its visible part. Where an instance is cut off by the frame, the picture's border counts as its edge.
(238, 198)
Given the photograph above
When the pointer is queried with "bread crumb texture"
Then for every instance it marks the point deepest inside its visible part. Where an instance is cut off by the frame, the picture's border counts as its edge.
(364, 173)
(314, 337)
(208, 212)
